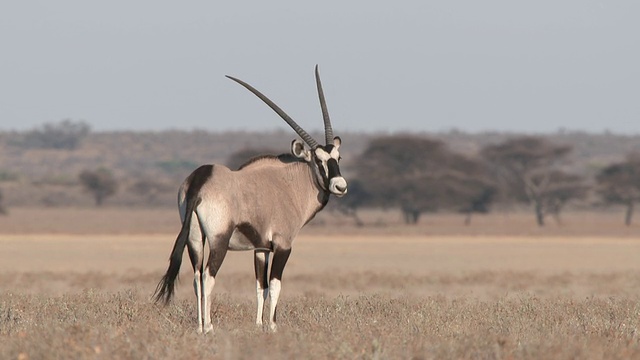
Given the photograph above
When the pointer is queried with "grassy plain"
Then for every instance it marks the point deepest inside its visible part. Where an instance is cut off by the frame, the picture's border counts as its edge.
(75, 283)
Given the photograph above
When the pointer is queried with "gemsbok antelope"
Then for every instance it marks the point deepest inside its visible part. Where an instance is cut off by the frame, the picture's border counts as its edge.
(261, 207)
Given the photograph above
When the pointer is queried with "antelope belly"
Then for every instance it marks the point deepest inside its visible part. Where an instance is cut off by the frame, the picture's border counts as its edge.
(240, 242)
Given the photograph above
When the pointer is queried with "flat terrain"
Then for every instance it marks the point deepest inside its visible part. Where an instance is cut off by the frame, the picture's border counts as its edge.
(77, 282)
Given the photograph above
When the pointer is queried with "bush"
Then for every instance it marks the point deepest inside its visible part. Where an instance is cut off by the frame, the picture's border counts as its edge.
(100, 183)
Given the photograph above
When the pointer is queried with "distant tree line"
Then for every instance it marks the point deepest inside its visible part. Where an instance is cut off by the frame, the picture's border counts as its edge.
(63, 135)
(419, 175)
(415, 174)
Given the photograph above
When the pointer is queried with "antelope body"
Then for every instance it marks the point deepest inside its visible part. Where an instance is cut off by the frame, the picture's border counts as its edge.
(261, 207)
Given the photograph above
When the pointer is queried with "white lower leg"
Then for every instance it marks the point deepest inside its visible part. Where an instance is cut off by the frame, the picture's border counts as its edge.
(274, 294)
(261, 295)
(208, 282)
(197, 287)
(262, 286)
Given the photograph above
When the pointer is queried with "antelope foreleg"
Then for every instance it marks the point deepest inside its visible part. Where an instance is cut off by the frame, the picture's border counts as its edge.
(280, 257)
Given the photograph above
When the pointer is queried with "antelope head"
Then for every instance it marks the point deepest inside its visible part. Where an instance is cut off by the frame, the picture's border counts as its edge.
(325, 159)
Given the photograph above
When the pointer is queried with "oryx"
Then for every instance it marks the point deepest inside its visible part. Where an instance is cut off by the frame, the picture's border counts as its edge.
(260, 207)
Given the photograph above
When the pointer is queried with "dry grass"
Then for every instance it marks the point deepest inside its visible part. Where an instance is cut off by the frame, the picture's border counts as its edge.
(76, 283)
(480, 285)
(126, 325)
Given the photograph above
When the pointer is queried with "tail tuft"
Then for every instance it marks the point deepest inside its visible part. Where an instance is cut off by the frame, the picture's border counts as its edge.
(166, 286)
(165, 289)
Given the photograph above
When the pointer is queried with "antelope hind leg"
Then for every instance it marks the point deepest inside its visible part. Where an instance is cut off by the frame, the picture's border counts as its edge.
(195, 246)
(261, 264)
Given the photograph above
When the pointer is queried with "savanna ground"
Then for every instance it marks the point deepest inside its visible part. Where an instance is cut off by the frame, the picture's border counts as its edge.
(76, 283)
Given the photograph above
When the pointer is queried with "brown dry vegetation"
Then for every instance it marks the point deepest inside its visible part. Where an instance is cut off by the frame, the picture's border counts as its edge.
(76, 283)
(126, 325)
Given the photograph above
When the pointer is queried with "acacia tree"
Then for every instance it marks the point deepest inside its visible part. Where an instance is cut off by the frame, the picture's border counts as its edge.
(561, 188)
(527, 169)
(466, 185)
(396, 171)
(353, 201)
(100, 183)
(419, 175)
(3, 210)
(619, 183)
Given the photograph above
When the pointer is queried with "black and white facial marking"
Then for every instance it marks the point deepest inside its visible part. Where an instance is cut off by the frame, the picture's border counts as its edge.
(326, 160)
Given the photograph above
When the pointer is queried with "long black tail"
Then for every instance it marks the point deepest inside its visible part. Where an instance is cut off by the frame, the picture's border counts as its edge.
(164, 290)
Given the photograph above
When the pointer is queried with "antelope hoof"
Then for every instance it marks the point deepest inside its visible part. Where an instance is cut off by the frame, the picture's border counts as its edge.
(273, 327)
(207, 329)
(199, 330)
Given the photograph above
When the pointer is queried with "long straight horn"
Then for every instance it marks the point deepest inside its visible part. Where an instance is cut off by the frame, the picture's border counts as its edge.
(328, 131)
(303, 134)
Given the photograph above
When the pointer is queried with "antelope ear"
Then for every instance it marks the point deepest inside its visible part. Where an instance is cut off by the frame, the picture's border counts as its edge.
(337, 142)
(298, 150)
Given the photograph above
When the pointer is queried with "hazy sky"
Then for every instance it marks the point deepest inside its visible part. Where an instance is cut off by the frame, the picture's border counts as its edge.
(533, 66)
